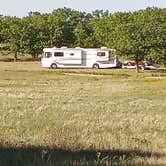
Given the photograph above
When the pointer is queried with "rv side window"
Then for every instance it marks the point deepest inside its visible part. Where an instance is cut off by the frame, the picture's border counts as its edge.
(47, 54)
(58, 54)
(71, 54)
(101, 54)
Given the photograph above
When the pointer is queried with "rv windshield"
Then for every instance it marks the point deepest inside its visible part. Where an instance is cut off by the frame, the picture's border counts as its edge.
(47, 54)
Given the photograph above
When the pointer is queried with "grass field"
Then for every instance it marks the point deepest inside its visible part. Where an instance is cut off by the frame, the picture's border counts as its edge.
(81, 117)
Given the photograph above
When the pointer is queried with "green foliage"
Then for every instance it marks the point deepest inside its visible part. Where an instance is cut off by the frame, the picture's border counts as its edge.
(141, 34)
(138, 34)
(14, 34)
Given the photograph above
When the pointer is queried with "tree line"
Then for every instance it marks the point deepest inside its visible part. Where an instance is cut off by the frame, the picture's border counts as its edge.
(137, 34)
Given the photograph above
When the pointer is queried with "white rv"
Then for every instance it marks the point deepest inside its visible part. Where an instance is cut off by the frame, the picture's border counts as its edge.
(78, 58)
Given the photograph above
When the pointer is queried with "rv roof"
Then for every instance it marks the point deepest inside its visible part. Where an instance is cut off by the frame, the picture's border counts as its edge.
(61, 49)
(76, 49)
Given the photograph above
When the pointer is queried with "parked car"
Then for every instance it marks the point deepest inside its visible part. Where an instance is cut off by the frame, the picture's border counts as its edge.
(144, 65)
(129, 65)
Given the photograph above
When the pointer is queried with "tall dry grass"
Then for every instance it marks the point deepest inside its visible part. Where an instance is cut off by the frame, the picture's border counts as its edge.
(84, 110)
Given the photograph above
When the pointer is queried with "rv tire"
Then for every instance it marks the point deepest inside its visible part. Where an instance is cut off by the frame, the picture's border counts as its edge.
(95, 66)
(54, 66)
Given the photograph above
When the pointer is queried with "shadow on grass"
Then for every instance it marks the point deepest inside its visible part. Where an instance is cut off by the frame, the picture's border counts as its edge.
(43, 156)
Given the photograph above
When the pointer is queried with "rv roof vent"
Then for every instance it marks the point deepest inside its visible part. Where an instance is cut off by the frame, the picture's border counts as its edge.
(64, 47)
(77, 47)
(103, 48)
(54, 47)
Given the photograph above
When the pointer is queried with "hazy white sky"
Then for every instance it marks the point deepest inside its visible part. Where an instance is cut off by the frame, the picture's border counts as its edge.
(21, 8)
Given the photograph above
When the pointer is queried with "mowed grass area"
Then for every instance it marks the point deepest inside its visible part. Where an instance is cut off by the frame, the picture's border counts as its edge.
(81, 116)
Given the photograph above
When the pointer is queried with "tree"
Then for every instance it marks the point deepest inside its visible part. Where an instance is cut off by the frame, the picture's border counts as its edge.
(156, 34)
(139, 33)
(35, 34)
(2, 37)
(14, 34)
(67, 21)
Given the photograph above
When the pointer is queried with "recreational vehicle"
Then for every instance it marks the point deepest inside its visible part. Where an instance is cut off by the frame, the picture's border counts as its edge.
(78, 58)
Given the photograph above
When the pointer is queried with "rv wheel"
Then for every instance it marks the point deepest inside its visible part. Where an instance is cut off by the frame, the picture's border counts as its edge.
(54, 66)
(95, 66)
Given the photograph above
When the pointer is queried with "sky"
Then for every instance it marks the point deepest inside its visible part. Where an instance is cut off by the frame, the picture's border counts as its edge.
(20, 8)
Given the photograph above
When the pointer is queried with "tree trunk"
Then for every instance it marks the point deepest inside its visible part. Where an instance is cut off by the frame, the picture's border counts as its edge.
(37, 54)
(164, 60)
(33, 55)
(15, 57)
(137, 65)
(164, 64)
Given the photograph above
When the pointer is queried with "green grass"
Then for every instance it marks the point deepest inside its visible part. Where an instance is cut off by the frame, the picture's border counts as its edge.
(85, 117)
